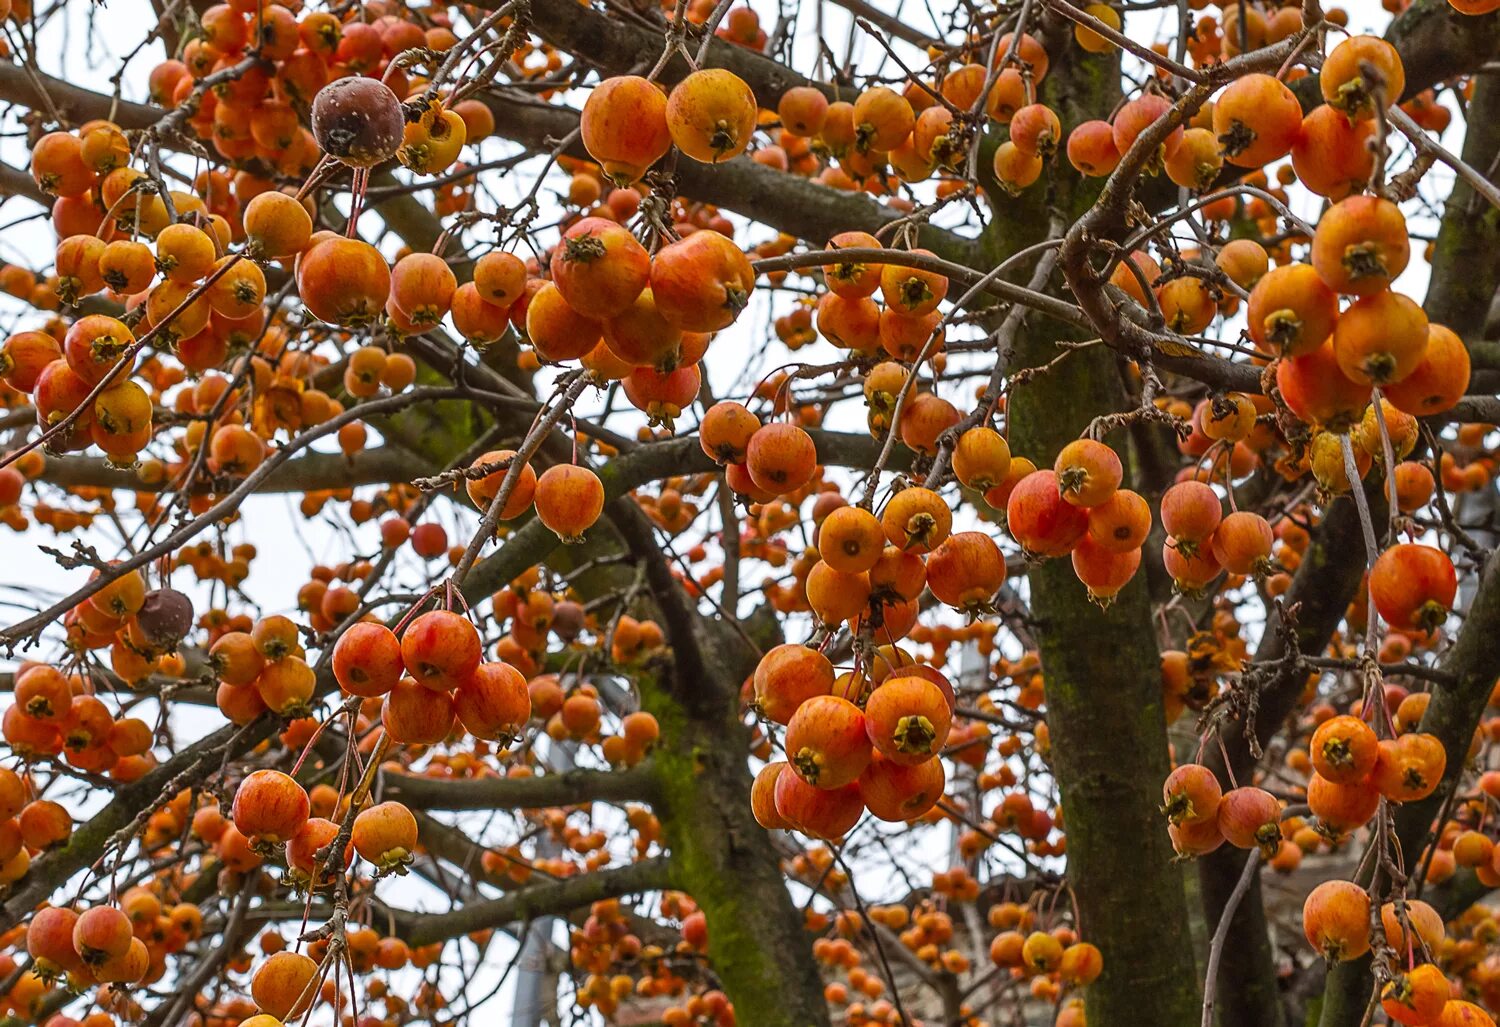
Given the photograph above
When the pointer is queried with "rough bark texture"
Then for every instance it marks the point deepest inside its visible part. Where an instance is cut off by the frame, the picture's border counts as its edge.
(719, 854)
(1108, 733)
(1104, 710)
(1465, 273)
(756, 941)
(1454, 713)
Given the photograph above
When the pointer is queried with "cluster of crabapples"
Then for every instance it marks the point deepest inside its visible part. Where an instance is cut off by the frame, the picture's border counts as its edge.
(432, 679)
(922, 130)
(111, 947)
(869, 738)
(186, 294)
(606, 940)
(1329, 358)
(1343, 769)
(1338, 920)
(1349, 771)
(195, 351)
(420, 686)
(1030, 946)
(625, 314)
(644, 319)
(1352, 771)
(195, 284)
(1052, 962)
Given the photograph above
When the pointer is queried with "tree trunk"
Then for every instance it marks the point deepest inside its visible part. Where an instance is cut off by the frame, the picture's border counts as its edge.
(757, 944)
(1465, 274)
(1108, 733)
(1103, 680)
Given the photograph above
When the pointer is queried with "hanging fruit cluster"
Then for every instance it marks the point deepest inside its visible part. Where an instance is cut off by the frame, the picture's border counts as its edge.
(220, 319)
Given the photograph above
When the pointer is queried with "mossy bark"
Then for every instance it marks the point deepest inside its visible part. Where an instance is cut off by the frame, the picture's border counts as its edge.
(437, 432)
(1101, 667)
(757, 945)
(1108, 733)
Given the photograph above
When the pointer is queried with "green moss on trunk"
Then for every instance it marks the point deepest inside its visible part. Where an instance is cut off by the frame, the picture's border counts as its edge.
(1109, 751)
(1103, 682)
(438, 432)
(756, 942)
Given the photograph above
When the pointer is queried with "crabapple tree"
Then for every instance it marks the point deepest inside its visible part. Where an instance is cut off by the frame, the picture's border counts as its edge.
(750, 511)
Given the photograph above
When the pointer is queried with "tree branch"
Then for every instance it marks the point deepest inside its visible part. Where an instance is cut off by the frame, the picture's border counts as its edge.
(569, 788)
(539, 900)
(132, 802)
(383, 465)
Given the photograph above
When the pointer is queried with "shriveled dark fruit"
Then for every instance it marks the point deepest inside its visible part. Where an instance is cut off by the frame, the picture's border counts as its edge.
(165, 617)
(567, 620)
(359, 120)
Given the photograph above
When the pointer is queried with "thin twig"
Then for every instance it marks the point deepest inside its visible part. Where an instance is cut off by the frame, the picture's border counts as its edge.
(1221, 934)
